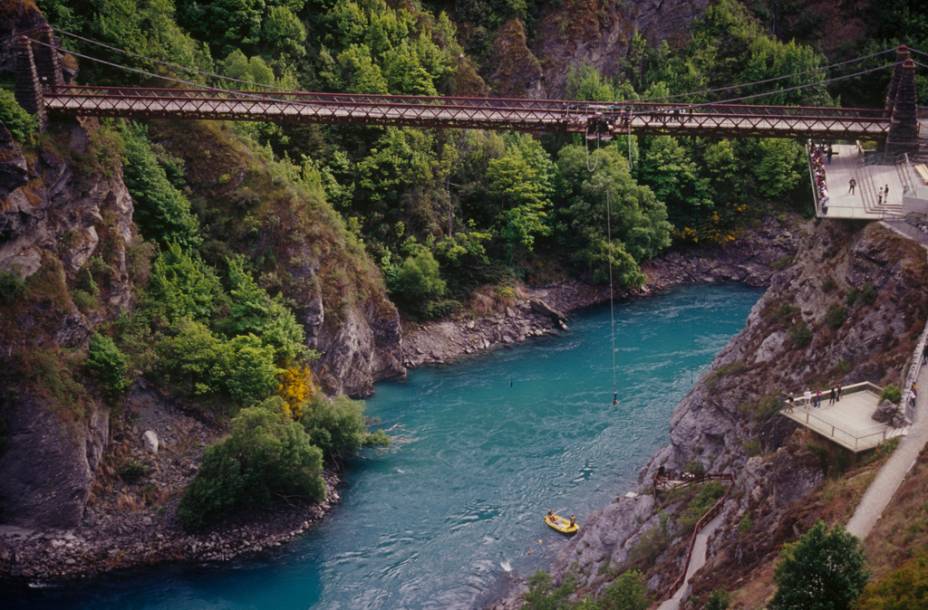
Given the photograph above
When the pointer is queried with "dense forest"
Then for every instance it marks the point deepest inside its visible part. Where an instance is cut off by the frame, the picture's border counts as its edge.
(439, 213)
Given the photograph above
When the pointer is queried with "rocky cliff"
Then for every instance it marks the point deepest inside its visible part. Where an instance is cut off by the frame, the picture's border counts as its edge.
(848, 307)
(72, 262)
(580, 32)
(64, 209)
(301, 247)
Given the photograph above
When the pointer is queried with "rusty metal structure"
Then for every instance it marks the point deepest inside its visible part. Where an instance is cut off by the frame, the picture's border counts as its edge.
(40, 89)
(467, 112)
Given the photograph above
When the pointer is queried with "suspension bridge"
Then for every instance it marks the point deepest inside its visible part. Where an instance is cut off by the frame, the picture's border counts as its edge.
(42, 89)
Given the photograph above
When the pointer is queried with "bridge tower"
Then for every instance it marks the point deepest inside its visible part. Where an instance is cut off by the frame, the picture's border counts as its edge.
(37, 67)
(901, 105)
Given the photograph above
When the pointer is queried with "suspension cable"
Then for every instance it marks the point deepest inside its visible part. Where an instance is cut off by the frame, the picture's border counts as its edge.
(165, 63)
(765, 80)
(786, 90)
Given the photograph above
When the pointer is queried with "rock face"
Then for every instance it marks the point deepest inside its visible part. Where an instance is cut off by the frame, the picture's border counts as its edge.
(730, 415)
(51, 224)
(48, 466)
(337, 292)
(574, 33)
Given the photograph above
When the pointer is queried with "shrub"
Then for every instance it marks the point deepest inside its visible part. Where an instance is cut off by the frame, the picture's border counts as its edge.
(718, 600)
(108, 365)
(296, 388)
(651, 544)
(866, 294)
(891, 393)
(267, 458)
(252, 310)
(543, 595)
(161, 211)
(800, 334)
(131, 471)
(198, 363)
(823, 570)
(746, 524)
(182, 285)
(785, 312)
(828, 284)
(335, 425)
(782, 263)
(248, 370)
(20, 123)
(11, 287)
(191, 359)
(835, 317)
(704, 499)
(904, 588)
(628, 592)
(417, 281)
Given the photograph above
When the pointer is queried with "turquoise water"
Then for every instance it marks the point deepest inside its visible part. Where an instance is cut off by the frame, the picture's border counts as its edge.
(483, 448)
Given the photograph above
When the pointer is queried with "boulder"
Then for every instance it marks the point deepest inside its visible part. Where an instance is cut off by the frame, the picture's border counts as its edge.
(150, 438)
(889, 413)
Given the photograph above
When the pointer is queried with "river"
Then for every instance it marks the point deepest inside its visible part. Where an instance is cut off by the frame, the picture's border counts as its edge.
(481, 450)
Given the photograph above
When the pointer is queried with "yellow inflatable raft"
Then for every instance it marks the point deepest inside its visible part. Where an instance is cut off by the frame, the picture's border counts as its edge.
(561, 524)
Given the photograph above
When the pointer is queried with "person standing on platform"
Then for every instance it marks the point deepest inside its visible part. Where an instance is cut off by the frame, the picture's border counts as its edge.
(852, 184)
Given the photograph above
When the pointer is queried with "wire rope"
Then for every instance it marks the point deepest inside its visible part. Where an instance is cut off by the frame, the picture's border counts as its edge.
(765, 80)
(615, 391)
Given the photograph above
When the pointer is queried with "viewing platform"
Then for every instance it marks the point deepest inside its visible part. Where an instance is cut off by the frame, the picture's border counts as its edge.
(848, 421)
(871, 172)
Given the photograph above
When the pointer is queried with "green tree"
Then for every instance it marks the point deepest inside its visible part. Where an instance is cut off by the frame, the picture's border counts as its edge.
(638, 220)
(252, 310)
(162, 212)
(358, 73)
(266, 459)
(108, 364)
(248, 371)
(905, 588)
(628, 592)
(675, 179)
(283, 32)
(521, 182)
(587, 83)
(779, 167)
(417, 280)
(251, 69)
(182, 285)
(823, 570)
(192, 359)
(335, 425)
(543, 594)
(15, 118)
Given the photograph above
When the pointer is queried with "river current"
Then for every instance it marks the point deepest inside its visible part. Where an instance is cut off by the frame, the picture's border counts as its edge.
(482, 449)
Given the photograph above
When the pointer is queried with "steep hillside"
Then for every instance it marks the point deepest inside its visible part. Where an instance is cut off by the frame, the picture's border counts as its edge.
(729, 423)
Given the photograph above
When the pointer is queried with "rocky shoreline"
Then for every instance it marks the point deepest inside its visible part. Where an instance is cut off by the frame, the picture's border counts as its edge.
(31, 556)
(728, 423)
(538, 311)
(129, 521)
(124, 527)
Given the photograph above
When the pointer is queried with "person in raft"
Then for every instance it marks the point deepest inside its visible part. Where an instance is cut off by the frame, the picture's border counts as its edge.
(550, 516)
(573, 521)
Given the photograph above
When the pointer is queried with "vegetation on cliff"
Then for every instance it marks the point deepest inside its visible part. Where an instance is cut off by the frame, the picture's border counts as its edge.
(443, 212)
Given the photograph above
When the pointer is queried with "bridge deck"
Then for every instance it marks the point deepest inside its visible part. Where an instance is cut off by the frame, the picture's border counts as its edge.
(484, 113)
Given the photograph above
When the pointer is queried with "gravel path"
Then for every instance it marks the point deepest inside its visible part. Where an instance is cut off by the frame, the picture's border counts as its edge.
(697, 561)
(890, 477)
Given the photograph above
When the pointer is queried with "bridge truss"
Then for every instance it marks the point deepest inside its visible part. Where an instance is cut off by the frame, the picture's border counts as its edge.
(470, 112)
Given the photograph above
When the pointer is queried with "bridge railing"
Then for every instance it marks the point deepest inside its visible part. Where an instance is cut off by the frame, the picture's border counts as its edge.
(569, 106)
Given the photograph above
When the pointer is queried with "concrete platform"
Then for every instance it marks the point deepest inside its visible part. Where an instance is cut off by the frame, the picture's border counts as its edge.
(847, 422)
